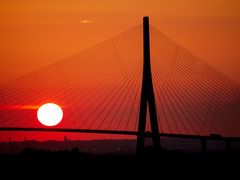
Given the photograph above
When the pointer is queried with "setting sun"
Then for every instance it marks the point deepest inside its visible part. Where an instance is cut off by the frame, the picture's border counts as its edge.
(50, 114)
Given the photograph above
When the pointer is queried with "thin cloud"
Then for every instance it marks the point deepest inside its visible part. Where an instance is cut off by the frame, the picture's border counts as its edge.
(85, 21)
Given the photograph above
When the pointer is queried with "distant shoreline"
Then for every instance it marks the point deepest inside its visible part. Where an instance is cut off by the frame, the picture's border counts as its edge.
(115, 146)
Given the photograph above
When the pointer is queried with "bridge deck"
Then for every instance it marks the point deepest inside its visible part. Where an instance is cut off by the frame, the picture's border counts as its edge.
(97, 131)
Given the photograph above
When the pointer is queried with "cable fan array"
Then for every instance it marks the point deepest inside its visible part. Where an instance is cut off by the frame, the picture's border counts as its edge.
(100, 88)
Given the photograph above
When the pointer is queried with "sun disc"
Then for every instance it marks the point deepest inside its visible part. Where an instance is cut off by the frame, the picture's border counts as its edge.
(50, 114)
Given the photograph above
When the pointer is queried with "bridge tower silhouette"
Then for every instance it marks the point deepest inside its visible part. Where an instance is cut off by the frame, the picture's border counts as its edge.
(108, 89)
(147, 95)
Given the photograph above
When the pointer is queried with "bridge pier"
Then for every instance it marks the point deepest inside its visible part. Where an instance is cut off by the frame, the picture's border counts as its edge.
(203, 145)
(147, 96)
(228, 143)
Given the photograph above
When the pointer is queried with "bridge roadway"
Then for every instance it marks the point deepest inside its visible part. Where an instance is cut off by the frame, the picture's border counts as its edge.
(97, 131)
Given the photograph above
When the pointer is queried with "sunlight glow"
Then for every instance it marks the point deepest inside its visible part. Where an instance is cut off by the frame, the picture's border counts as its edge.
(50, 114)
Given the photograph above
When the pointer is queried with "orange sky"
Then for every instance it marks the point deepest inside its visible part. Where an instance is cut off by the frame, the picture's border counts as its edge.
(35, 33)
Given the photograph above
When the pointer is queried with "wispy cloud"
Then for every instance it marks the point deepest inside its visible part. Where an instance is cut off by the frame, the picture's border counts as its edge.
(19, 107)
(85, 21)
(22, 107)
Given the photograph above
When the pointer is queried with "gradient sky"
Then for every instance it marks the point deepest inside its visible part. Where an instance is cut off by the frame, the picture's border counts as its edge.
(36, 33)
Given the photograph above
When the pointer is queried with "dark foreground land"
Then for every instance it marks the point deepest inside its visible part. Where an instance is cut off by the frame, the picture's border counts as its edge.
(150, 163)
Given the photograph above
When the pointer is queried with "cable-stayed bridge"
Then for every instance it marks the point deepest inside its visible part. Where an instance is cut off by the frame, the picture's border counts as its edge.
(110, 88)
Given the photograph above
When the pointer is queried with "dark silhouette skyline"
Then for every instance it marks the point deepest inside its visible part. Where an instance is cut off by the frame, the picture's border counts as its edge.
(185, 97)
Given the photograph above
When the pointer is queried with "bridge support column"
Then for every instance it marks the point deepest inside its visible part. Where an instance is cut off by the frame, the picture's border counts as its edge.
(147, 96)
(203, 145)
(228, 143)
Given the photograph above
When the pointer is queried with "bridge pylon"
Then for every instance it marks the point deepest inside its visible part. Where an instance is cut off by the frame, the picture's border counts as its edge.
(147, 96)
